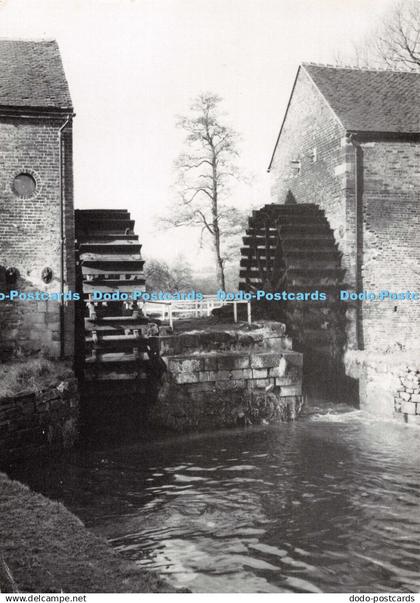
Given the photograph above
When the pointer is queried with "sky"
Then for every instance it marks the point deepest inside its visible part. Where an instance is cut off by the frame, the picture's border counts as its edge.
(134, 65)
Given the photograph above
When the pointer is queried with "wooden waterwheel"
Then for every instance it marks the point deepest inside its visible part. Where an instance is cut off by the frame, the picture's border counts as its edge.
(291, 248)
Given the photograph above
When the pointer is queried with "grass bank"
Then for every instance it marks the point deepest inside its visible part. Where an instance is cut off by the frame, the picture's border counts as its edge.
(48, 549)
(31, 374)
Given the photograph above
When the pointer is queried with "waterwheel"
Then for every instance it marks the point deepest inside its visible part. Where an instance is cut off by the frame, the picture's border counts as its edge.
(112, 335)
(291, 248)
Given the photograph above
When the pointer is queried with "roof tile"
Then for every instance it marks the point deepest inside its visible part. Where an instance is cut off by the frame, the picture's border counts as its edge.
(32, 75)
(370, 101)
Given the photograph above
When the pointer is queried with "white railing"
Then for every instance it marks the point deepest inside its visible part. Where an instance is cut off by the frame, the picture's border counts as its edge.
(176, 309)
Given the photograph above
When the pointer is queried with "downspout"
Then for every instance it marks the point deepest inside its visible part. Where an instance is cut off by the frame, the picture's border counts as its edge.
(358, 191)
(62, 231)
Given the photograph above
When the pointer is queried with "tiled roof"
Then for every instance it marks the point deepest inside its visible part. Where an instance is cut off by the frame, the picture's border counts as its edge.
(370, 101)
(32, 75)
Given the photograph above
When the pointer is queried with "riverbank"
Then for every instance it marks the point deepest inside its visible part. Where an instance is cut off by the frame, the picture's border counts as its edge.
(48, 549)
(39, 409)
(31, 374)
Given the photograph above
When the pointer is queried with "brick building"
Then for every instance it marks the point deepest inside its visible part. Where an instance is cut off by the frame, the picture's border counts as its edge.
(36, 197)
(350, 143)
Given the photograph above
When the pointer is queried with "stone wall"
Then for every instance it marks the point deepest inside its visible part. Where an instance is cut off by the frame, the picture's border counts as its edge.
(32, 423)
(249, 378)
(407, 398)
(30, 233)
(389, 383)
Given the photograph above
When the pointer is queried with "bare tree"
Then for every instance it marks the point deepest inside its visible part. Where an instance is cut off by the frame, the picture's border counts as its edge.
(168, 277)
(204, 171)
(398, 41)
(394, 43)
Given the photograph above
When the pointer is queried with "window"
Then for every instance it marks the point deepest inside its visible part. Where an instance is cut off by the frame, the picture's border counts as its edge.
(24, 185)
(296, 167)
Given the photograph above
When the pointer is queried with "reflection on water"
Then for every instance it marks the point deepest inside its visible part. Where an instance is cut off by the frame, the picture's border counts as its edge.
(327, 504)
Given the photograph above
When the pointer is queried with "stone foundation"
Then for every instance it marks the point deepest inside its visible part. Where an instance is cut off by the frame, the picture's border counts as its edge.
(407, 397)
(389, 383)
(39, 422)
(250, 378)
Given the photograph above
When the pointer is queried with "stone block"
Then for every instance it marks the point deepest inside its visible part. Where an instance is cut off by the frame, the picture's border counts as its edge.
(275, 327)
(290, 390)
(408, 408)
(405, 396)
(278, 344)
(214, 375)
(186, 377)
(233, 361)
(274, 372)
(259, 373)
(181, 364)
(289, 379)
(210, 363)
(242, 374)
(260, 383)
(264, 360)
(415, 398)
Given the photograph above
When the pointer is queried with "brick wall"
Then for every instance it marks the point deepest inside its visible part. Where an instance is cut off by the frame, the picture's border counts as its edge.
(390, 214)
(310, 124)
(391, 241)
(30, 232)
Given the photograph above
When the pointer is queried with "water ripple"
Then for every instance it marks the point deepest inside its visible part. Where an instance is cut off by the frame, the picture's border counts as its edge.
(328, 504)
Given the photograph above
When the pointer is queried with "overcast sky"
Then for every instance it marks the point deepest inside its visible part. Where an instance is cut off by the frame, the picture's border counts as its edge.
(133, 65)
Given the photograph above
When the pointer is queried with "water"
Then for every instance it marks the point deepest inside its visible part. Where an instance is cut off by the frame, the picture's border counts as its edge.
(327, 504)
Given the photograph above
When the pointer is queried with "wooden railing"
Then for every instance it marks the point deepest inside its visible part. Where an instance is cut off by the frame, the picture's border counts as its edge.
(173, 310)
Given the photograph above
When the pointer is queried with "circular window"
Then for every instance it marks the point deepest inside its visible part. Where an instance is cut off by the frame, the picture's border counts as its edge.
(24, 185)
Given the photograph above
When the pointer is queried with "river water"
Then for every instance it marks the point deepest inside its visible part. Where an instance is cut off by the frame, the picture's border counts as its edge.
(329, 503)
